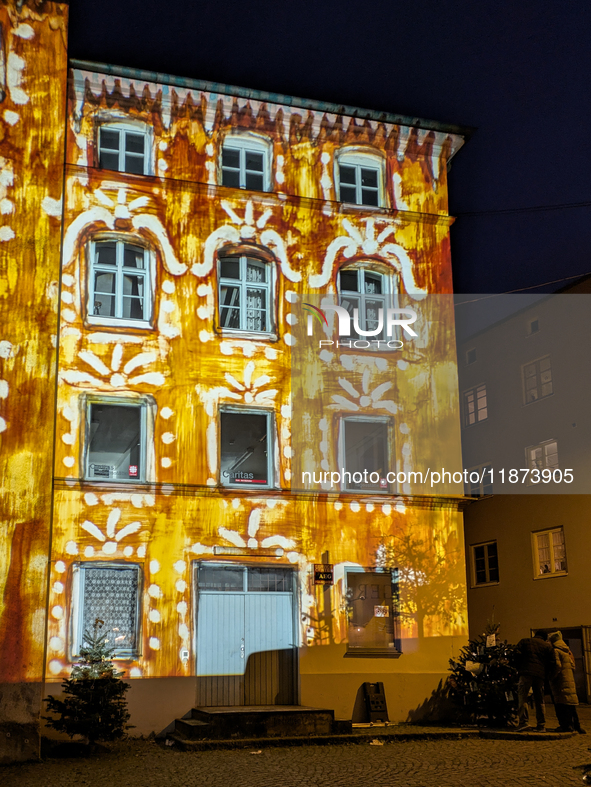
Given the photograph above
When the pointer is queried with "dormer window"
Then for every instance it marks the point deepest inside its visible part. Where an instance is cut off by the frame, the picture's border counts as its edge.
(360, 179)
(123, 149)
(245, 163)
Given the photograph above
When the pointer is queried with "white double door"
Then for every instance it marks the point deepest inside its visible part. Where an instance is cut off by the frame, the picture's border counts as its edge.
(245, 648)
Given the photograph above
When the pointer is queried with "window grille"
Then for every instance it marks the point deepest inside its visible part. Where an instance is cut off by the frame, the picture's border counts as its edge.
(111, 595)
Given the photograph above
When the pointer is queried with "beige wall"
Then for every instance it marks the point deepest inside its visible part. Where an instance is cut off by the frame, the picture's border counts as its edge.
(519, 601)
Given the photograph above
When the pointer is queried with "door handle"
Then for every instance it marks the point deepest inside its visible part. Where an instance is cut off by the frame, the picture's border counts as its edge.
(242, 648)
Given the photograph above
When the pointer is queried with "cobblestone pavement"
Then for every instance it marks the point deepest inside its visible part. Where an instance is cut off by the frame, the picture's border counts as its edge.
(434, 763)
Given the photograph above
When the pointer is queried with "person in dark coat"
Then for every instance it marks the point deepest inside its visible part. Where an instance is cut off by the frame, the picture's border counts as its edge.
(564, 690)
(535, 662)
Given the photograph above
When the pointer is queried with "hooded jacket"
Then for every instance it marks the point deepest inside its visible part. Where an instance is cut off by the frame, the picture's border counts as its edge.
(535, 658)
(563, 685)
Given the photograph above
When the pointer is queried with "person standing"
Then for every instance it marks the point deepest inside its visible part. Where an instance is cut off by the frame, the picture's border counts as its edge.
(535, 662)
(563, 686)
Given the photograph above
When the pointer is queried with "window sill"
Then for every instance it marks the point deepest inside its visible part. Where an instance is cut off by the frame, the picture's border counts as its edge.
(551, 575)
(368, 653)
(539, 399)
(228, 333)
(97, 480)
(484, 585)
(354, 206)
(113, 322)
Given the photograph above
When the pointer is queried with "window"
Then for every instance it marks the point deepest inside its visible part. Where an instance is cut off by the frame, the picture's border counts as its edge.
(365, 291)
(111, 593)
(245, 163)
(480, 481)
(360, 179)
(116, 441)
(245, 294)
(245, 459)
(545, 455)
(537, 380)
(119, 282)
(365, 450)
(471, 356)
(475, 405)
(485, 564)
(240, 579)
(372, 613)
(549, 552)
(533, 327)
(123, 149)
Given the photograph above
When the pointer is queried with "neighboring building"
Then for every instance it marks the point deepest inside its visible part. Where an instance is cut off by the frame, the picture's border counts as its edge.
(524, 385)
(196, 219)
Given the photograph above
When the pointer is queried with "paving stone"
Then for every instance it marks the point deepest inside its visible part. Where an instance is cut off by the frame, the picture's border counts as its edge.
(413, 763)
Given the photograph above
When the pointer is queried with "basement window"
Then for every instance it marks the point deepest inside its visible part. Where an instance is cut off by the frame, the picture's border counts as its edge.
(116, 441)
(245, 459)
(111, 593)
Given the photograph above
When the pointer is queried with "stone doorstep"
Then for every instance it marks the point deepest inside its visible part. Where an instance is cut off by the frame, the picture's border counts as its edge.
(365, 737)
(186, 744)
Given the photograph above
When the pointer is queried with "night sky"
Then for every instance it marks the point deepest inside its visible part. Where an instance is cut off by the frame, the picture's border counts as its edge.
(519, 72)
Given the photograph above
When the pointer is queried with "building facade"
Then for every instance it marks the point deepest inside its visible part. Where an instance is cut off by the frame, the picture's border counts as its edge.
(523, 389)
(197, 220)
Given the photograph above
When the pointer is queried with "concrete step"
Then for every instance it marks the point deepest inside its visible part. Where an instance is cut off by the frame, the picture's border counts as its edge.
(258, 721)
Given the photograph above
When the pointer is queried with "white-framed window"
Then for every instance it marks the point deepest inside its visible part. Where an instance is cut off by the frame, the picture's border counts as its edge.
(475, 405)
(543, 456)
(124, 148)
(537, 380)
(480, 480)
(549, 552)
(246, 448)
(120, 289)
(110, 592)
(246, 163)
(485, 563)
(360, 178)
(116, 440)
(246, 286)
(366, 291)
(372, 614)
(365, 453)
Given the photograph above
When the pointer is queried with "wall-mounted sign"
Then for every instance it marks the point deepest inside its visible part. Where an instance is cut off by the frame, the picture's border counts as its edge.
(323, 574)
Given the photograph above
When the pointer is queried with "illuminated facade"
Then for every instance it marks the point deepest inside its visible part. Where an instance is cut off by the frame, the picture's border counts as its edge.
(196, 220)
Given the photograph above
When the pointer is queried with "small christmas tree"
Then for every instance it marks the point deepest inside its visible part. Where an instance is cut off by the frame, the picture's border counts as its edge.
(483, 680)
(95, 705)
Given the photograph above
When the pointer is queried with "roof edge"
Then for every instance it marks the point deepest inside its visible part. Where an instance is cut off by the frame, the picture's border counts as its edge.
(275, 98)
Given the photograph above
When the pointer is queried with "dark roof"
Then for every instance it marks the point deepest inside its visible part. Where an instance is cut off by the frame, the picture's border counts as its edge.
(274, 98)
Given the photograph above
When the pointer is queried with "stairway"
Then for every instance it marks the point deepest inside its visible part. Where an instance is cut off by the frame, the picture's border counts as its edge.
(256, 721)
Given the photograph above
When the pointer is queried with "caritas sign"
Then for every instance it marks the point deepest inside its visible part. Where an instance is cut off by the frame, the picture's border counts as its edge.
(323, 574)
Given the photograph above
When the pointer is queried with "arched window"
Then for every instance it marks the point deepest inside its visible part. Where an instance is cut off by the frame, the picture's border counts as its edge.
(246, 162)
(360, 178)
(245, 293)
(366, 290)
(119, 289)
(124, 148)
